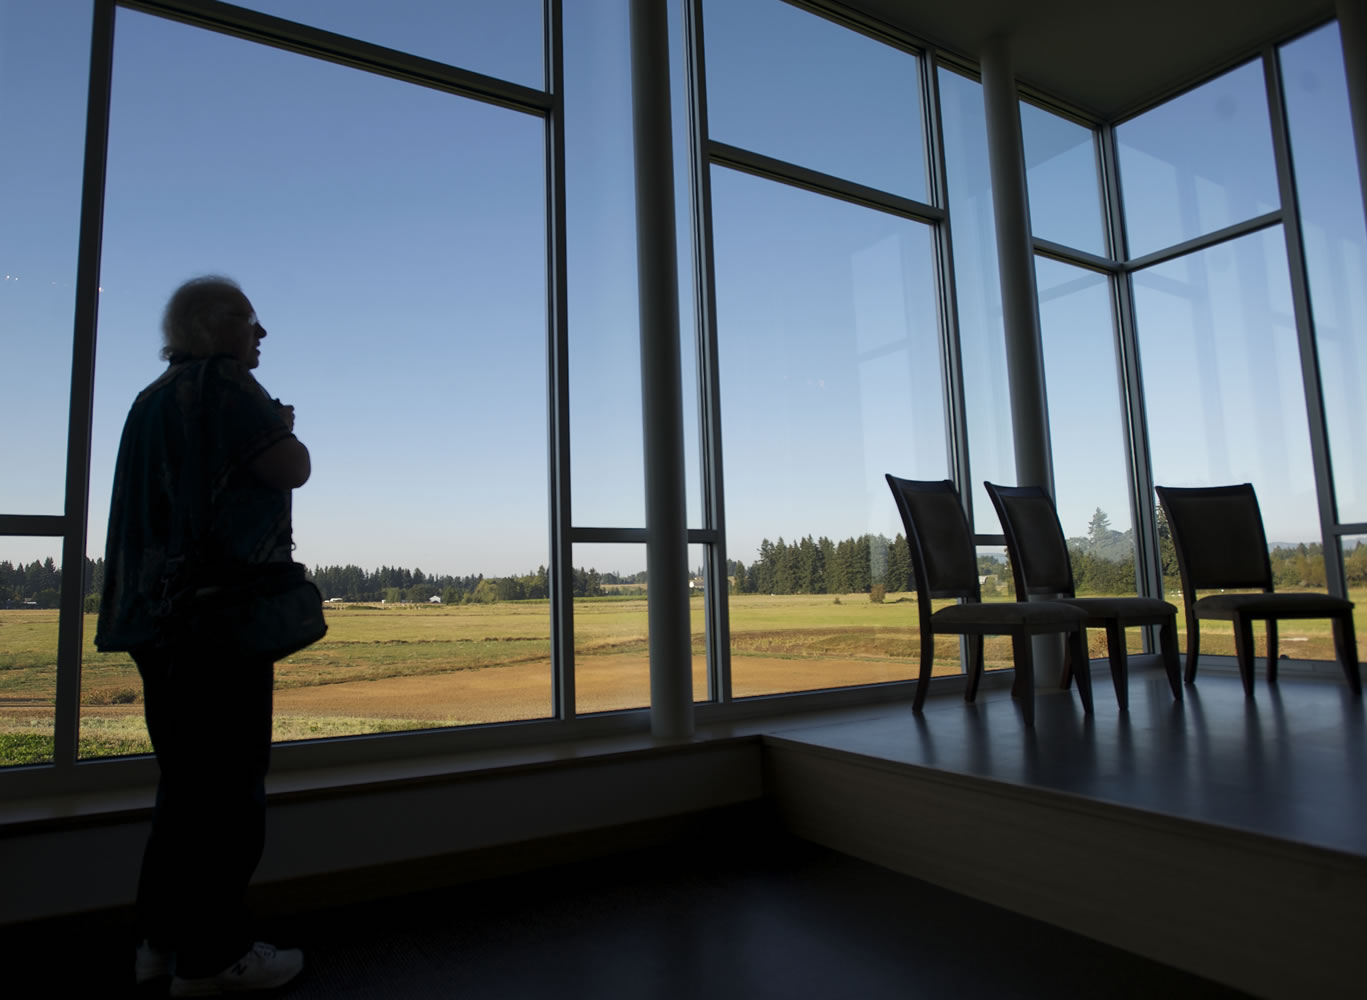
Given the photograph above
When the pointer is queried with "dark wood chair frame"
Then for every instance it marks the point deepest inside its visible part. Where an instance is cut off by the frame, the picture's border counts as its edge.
(949, 569)
(1228, 551)
(1040, 565)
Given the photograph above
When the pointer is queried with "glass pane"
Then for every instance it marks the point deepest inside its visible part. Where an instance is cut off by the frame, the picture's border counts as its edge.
(384, 242)
(1086, 430)
(998, 585)
(792, 85)
(612, 627)
(1198, 163)
(1355, 571)
(982, 337)
(607, 463)
(830, 378)
(497, 39)
(30, 586)
(1065, 190)
(683, 225)
(1330, 197)
(44, 52)
(1222, 379)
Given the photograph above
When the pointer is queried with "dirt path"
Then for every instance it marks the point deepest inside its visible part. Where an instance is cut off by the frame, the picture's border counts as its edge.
(523, 691)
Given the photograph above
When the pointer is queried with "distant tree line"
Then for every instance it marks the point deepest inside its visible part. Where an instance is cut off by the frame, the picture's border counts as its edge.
(821, 566)
(395, 584)
(1103, 562)
(39, 584)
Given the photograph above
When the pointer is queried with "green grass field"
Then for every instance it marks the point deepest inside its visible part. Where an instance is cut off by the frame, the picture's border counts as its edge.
(393, 668)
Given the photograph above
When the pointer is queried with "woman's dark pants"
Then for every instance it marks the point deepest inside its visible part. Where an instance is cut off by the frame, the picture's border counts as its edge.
(210, 723)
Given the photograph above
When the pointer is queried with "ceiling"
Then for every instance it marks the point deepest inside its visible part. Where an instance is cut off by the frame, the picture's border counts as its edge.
(1103, 56)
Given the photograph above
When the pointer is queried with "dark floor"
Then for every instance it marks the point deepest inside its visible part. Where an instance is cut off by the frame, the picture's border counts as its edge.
(770, 916)
(1291, 763)
(781, 919)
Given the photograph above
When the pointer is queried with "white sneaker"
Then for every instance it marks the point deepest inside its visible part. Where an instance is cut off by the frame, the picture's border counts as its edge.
(262, 968)
(153, 963)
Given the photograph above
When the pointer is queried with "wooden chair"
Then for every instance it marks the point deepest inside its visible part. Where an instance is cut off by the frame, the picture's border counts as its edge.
(1040, 565)
(945, 564)
(1220, 542)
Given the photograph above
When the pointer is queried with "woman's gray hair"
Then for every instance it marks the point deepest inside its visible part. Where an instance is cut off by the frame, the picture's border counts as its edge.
(193, 314)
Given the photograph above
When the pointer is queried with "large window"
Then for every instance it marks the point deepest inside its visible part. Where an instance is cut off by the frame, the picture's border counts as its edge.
(1061, 173)
(1086, 429)
(43, 53)
(1222, 379)
(828, 341)
(982, 333)
(830, 379)
(28, 654)
(799, 88)
(392, 240)
(1330, 196)
(443, 253)
(502, 39)
(1198, 163)
(605, 355)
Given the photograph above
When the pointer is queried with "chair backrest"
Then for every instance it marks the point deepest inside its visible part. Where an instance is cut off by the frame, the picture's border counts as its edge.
(938, 538)
(1034, 537)
(1218, 534)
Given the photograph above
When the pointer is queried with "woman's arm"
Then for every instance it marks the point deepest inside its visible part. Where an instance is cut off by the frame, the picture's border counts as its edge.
(284, 465)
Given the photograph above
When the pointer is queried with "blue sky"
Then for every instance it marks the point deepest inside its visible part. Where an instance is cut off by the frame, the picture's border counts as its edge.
(392, 240)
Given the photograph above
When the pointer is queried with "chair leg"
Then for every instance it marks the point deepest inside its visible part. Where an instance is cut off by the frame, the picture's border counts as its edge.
(1120, 675)
(1243, 651)
(1065, 677)
(1272, 651)
(975, 666)
(1193, 643)
(1346, 641)
(1077, 642)
(1167, 644)
(927, 664)
(1025, 675)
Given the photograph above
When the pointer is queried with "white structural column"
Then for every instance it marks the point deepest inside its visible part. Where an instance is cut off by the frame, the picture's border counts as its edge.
(1020, 307)
(671, 676)
(1352, 15)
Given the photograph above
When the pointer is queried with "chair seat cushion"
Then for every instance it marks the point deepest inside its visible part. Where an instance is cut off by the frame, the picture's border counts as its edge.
(1122, 607)
(1226, 606)
(1010, 613)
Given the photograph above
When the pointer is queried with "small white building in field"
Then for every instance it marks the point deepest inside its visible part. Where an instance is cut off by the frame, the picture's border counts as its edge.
(434, 599)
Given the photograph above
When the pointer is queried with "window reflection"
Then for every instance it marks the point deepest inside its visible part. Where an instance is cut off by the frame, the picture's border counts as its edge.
(1330, 198)
(982, 337)
(789, 84)
(1085, 425)
(607, 463)
(1198, 163)
(500, 39)
(44, 50)
(1222, 379)
(1065, 189)
(830, 378)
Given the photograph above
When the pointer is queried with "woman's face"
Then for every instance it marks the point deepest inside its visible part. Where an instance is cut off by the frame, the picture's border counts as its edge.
(241, 334)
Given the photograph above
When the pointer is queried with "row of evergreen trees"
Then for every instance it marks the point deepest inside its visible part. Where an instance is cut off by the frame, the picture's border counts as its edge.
(395, 584)
(40, 583)
(1103, 562)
